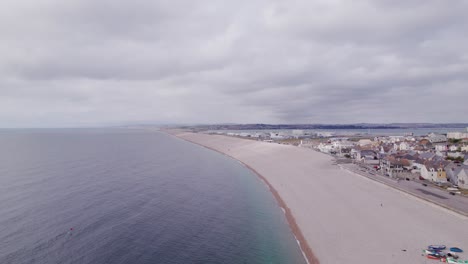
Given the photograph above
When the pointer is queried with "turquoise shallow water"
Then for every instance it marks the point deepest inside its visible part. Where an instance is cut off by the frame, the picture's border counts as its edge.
(132, 197)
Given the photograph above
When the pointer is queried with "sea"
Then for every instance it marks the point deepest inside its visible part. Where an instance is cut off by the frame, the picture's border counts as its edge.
(133, 196)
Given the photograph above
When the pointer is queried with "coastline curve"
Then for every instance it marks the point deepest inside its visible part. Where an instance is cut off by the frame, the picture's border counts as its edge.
(301, 241)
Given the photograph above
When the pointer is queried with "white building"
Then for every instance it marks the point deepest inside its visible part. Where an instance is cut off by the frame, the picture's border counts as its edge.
(441, 147)
(422, 169)
(364, 142)
(276, 135)
(455, 154)
(453, 148)
(402, 146)
(342, 144)
(394, 139)
(436, 138)
(327, 148)
(457, 135)
(462, 177)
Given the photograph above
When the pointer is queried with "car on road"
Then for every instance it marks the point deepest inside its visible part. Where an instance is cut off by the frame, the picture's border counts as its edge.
(424, 184)
(452, 193)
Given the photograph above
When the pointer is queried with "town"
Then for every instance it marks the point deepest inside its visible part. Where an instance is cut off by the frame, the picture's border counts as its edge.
(437, 159)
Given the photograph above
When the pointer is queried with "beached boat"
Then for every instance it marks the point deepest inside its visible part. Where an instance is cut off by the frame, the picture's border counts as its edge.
(455, 249)
(433, 257)
(427, 251)
(436, 247)
(433, 254)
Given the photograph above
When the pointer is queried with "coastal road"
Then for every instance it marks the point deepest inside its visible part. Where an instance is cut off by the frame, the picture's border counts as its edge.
(454, 202)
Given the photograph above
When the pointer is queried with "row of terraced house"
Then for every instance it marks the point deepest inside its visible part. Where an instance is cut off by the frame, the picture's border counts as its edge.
(439, 158)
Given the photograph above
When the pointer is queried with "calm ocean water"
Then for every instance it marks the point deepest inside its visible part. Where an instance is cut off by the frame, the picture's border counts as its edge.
(132, 197)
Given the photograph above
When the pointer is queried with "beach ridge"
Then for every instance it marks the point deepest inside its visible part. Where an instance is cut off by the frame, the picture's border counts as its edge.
(340, 215)
(302, 242)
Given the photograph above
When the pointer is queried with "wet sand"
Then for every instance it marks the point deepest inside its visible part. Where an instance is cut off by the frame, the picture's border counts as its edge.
(339, 216)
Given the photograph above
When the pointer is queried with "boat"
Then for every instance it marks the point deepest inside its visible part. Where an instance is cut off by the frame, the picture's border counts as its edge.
(432, 257)
(456, 250)
(434, 253)
(436, 247)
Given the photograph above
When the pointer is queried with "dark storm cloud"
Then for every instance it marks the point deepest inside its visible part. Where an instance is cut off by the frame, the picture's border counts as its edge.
(65, 63)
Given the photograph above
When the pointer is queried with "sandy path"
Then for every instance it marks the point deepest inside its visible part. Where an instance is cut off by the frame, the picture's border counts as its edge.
(345, 217)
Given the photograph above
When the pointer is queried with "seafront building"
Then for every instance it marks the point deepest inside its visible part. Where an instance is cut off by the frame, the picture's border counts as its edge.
(436, 158)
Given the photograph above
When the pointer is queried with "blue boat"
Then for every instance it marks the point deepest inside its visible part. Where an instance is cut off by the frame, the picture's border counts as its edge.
(437, 247)
(455, 249)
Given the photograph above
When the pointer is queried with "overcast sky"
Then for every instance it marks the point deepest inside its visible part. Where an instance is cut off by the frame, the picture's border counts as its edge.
(92, 62)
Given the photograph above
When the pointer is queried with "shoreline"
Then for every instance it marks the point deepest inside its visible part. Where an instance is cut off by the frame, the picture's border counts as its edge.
(300, 238)
(340, 215)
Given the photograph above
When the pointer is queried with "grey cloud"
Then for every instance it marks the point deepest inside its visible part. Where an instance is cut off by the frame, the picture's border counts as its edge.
(108, 62)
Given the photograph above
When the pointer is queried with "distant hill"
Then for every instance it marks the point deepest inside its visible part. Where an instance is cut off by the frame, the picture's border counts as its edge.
(325, 126)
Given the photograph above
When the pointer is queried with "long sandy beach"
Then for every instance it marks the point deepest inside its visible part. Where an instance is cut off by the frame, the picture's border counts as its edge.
(342, 217)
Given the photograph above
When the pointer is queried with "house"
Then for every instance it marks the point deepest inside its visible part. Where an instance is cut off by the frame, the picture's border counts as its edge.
(261, 135)
(423, 170)
(436, 138)
(276, 135)
(427, 155)
(440, 147)
(364, 142)
(368, 157)
(342, 144)
(455, 155)
(345, 152)
(462, 177)
(453, 148)
(327, 148)
(339, 147)
(457, 135)
(405, 146)
(452, 171)
(424, 142)
(396, 167)
(418, 166)
(435, 171)
(411, 156)
(385, 148)
(394, 139)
